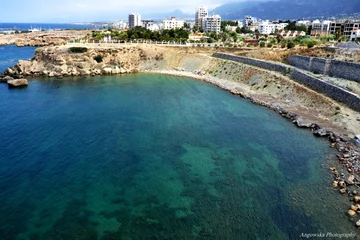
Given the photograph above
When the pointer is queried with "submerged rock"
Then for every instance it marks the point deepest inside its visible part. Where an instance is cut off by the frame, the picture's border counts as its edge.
(17, 83)
(357, 199)
(351, 213)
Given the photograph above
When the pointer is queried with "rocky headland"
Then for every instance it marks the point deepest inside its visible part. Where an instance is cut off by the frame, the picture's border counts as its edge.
(42, 38)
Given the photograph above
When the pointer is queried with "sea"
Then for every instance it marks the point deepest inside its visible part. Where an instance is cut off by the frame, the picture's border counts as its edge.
(149, 156)
(43, 26)
(10, 55)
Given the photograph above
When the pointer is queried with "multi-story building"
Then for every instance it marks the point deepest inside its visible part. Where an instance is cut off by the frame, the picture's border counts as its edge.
(337, 26)
(320, 28)
(148, 24)
(307, 23)
(249, 20)
(349, 27)
(211, 23)
(134, 20)
(266, 27)
(200, 13)
(355, 35)
(173, 23)
(119, 25)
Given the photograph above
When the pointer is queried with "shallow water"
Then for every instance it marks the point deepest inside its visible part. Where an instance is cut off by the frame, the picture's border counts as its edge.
(10, 55)
(157, 157)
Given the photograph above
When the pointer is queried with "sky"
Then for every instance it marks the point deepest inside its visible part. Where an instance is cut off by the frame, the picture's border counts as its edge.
(63, 11)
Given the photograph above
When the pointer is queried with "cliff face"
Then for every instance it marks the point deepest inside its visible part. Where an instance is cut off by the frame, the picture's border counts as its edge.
(59, 61)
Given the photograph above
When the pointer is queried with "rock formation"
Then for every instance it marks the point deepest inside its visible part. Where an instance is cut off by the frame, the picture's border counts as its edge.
(17, 83)
(60, 61)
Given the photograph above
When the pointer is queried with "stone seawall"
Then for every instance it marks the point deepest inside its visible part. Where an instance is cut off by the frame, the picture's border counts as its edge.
(337, 93)
(272, 66)
(334, 68)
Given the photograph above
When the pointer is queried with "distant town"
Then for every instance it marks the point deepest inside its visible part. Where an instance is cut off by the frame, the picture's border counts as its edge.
(344, 29)
(207, 29)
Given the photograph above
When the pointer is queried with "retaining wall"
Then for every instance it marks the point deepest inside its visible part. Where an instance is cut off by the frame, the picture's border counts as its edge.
(277, 67)
(337, 93)
(334, 68)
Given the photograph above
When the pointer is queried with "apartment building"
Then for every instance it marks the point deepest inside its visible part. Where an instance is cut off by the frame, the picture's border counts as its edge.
(134, 20)
(211, 23)
(349, 26)
(320, 28)
(200, 13)
(337, 26)
(173, 23)
(266, 27)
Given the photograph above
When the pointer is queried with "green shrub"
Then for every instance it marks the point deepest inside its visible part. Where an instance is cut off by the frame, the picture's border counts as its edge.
(269, 45)
(98, 58)
(283, 44)
(78, 49)
(262, 44)
(290, 44)
(310, 44)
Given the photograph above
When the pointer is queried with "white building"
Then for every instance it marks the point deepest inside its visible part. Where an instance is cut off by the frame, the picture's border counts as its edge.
(320, 28)
(355, 35)
(150, 25)
(266, 27)
(249, 20)
(173, 23)
(303, 22)
(134, 20)
(200, 13)
(231, 28)
(211, 23)
(120, 25)
(147, 23)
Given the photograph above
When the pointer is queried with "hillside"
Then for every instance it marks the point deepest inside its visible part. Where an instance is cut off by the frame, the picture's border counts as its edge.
(288, 9)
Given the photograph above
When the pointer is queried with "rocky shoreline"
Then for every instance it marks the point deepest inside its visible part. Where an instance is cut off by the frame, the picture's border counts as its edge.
(348, 156)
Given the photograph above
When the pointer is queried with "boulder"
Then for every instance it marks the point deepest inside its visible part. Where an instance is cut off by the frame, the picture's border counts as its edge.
(342, 190)
(351, 213)
(354, 208)
(350, 180)
(322, 132)
(7, 78)
(17, 82)
(357, 199)
(300, 122)
(107, 70)
(357, 223)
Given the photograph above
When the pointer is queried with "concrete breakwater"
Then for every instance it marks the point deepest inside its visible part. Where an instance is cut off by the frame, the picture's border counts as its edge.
(330, 67)
(335, 92)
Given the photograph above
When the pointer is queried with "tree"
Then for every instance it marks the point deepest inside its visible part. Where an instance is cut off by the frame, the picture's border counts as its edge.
(195, 29)
(337, 34)
(238, 30)
(257, 34)
(224, 36)
(279, 38)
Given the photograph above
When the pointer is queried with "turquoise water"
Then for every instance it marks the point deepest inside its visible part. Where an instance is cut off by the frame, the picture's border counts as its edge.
(157, 157)
(10, 55)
